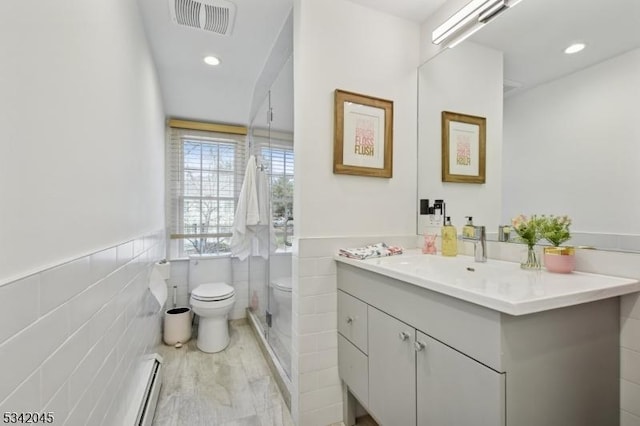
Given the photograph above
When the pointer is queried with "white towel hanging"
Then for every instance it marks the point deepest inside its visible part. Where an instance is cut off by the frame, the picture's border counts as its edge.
(253, 232)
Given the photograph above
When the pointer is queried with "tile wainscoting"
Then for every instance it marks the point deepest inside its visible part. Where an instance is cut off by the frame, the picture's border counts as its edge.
(317, 394)
(70, 335)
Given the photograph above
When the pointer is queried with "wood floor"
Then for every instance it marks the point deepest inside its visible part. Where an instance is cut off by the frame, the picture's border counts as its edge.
(231, 388)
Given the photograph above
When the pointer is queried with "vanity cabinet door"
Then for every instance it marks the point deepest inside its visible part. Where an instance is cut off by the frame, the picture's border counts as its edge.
(352, 320)
(392, 373)
(455, 390)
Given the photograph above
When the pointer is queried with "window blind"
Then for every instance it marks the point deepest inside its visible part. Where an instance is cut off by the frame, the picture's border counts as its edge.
(204, 178)
(278, 160)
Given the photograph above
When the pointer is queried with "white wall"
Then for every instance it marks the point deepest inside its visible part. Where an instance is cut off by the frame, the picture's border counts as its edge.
(571, 146)
(342, 45)
(81, 156)
(465, 80)
(82, 216)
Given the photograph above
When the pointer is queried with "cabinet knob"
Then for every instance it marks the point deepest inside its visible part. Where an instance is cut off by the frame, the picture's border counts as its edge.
(349, 320)
(403, 336)
(418, 346)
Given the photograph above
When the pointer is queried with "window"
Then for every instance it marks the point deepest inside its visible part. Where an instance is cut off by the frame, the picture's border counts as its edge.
(279, 161)
(204, 181)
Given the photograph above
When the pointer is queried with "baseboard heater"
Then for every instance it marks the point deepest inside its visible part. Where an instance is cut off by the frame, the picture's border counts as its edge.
(145, 393)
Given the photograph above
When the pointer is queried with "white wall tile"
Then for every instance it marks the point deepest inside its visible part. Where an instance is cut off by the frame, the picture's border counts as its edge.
(124, 253)
(328, 377)
(327, 340)
(327, 359)
(58, 405)
(326, 303)
(18, 305)
(59, 284)
(240, 269)
(138, 246)
(307, 305)
(326, 266)
(102, 321)
(320, 398)
(313, 286)
(66, 355)
(630, 365)
(630, 397)
(630, 306)
(317, 323)
(84, 305)
(81, 377)
(630, 334)
(307, 344)
(103, 376)
(81, 409)
(56, 369)
(308, 382)
(306, 266)
(102, 264)
(24, 352)
(628, 419)
(323, 416)
(26, 397)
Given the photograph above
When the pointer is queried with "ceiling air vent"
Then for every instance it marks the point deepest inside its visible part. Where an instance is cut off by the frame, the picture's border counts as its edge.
(216, 16)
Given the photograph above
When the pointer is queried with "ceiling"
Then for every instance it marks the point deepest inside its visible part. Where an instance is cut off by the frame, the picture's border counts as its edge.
(412, 10)
(224, 94)
(527, 34)
(196, 91)
(534, 34)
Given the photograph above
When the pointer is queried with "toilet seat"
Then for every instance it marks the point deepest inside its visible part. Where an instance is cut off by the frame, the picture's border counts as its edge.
(282, 284)
(213, 292)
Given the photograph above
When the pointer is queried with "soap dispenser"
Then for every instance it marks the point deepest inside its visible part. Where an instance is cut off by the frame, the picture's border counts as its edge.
(468, 231)
(449, 239)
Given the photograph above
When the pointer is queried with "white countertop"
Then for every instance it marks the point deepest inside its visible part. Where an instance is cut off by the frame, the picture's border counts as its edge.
(498, 285)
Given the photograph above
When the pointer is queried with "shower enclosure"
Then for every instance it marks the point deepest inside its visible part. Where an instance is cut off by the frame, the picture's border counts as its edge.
(271, 141)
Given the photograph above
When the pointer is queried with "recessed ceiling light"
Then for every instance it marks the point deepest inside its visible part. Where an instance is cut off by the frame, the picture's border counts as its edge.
(574, 48)
(211, 60)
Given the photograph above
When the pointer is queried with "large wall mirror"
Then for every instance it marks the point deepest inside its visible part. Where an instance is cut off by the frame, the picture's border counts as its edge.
(563, 130)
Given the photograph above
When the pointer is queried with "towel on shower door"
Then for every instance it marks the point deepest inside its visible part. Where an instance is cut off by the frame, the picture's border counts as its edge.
(264, 242)
(252, 231)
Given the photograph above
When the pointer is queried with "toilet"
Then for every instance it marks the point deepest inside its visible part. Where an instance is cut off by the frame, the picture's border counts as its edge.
(281, 291)
(212, 302)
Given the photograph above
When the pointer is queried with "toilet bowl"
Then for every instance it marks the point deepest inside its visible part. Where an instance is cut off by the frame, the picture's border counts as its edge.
(212, 302)
(281, 291)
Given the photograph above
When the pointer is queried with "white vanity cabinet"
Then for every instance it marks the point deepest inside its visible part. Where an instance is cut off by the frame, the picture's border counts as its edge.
(429, 359)
(453, 389)
(392, 369)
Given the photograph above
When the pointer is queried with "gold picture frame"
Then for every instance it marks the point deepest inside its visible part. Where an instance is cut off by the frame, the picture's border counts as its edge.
(363, 135)
(463, 148)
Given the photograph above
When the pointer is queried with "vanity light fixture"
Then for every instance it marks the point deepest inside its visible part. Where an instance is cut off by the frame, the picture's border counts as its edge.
(468, 20)
(574, 48)
(211, 60)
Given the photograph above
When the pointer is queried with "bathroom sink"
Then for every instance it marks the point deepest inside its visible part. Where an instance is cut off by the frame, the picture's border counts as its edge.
(496, 284)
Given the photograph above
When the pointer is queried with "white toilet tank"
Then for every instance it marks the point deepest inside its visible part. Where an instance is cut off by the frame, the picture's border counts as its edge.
(208, 270)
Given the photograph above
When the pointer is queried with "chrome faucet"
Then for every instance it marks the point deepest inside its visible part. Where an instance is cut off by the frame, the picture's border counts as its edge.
(479, 241)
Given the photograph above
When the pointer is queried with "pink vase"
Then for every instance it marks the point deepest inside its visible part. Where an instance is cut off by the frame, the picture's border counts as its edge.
(560, 259)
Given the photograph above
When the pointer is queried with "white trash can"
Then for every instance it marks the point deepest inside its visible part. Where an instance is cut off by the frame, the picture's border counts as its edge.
(177, 325)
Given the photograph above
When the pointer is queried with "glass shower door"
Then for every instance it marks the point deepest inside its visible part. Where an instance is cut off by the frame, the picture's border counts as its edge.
(280, 154)
(258, 265)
